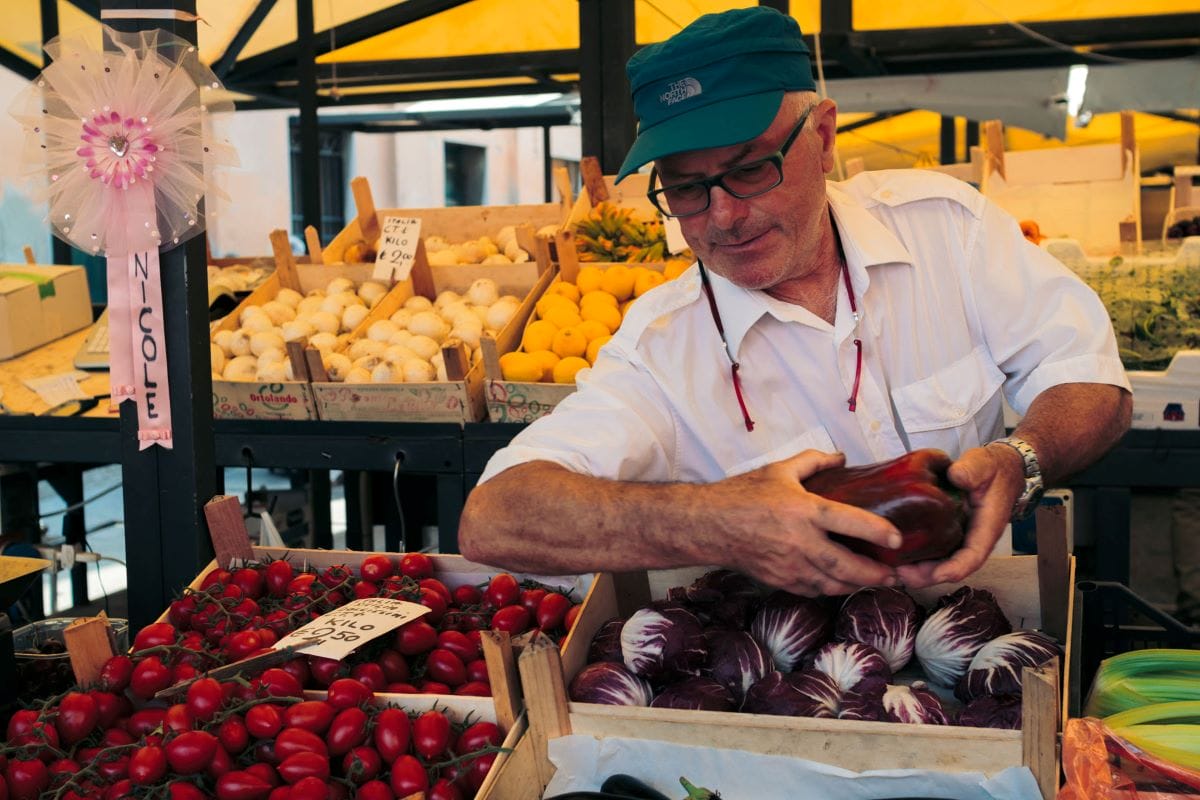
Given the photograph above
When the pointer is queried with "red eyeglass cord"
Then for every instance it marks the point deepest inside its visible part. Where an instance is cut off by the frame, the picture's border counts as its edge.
(853, 401)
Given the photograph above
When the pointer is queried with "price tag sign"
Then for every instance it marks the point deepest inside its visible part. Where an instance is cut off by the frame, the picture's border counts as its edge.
(675, 241)
(397, 248)
(351, 626)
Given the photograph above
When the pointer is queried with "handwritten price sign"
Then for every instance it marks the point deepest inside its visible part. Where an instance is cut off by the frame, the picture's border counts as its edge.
(351, 626)
(397, 248)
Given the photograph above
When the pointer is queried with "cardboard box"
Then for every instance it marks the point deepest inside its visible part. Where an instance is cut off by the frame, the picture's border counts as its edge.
(39, 304)
(290, 399)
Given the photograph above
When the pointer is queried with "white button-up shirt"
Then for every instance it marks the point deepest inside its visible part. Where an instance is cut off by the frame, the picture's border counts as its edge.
(954, 305)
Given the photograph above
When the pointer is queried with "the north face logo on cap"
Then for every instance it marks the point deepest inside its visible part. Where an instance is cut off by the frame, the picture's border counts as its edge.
(681, 89)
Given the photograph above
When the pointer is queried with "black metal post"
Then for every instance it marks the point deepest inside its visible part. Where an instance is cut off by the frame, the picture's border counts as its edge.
(166, 541)
(306, 92)
(972, 137)
(947, 141)
(60, 251)
(606, 41)
(779, 5)
(319, 492)
(547, 165)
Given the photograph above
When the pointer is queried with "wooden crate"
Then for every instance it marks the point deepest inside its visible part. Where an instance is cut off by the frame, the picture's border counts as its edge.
(629, 193)
(291, 399)
(1034, 591)
(1089, 193)
(461, 399)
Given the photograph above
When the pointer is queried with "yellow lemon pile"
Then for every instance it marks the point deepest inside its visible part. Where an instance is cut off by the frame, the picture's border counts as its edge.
(574, 320)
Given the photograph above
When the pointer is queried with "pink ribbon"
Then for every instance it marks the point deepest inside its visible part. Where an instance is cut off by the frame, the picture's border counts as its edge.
(137, 340)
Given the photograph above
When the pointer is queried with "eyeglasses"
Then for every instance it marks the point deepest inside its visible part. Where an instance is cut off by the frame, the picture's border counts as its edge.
(743, 181)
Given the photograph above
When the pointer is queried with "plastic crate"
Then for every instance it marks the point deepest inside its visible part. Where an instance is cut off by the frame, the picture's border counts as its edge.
(1113, 619)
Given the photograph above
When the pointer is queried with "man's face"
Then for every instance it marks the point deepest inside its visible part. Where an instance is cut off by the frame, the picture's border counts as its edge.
(761, 241)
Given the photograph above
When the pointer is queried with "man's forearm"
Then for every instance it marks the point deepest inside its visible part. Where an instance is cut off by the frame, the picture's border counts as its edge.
(540, 517)
(1074, 424)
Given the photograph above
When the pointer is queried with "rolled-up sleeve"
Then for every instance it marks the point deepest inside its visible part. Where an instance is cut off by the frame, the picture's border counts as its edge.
(1043, 325)
(616, 425)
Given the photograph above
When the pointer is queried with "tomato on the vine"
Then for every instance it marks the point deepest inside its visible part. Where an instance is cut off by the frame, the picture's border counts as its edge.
(416, 566)
(149, 677)
(250, 581)
(443, 789)
(408, 776)
(147, 765)
(513, 620)
(571, 615)
(458, 643)
(304, 765)
(415, 637)
(311, 715)
(77, 717)
(532, 598)
(312, 787)
(192, 751)
(474, 689)
(347, 692)
(371, 675)
(204, 698)
(297, 740)
(394, 666)
(277, 576)
(26, 778)
(115, 674)
(552, 610)
(233, 735)
(242, 785)
(467, 595)
(376, 568)
(362, 764)
(445, 667)
(502, 590)
(393, 731)
(431, 734)
(375, 790)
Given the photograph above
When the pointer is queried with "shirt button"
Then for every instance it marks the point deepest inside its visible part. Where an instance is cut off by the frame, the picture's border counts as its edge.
(885, 193)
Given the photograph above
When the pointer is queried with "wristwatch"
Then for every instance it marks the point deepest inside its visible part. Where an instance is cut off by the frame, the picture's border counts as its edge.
(1034, 487)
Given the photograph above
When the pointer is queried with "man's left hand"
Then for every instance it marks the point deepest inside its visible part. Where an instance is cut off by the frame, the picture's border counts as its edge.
(993, 478)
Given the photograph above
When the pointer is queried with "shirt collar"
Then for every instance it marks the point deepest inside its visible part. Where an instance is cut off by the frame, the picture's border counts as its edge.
(866, 243)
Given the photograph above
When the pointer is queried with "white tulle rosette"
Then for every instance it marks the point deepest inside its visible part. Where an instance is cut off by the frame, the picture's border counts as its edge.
(121, 140)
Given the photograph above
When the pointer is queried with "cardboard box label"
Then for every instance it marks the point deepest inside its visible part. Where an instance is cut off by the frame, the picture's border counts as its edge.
(509, 401)
(417, 402)
(253, 400)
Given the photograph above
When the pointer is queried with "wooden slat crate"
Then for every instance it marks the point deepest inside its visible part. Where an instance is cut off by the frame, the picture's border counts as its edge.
(1034, 592)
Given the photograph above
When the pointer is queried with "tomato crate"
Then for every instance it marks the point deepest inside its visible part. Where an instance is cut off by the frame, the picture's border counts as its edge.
(1033, 591)
(454, 571)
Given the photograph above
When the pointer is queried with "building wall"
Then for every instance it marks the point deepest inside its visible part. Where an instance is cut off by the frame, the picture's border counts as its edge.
(22, 220)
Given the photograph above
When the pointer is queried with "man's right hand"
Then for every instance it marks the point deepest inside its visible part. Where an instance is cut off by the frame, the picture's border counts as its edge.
(778, 531)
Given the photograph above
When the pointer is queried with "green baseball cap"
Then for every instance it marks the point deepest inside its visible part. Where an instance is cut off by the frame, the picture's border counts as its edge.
(717, 82)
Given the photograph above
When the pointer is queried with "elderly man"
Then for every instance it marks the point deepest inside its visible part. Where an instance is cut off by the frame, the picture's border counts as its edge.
(823, 323)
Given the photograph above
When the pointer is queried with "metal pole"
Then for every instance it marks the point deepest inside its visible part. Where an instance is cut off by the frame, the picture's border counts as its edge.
(547, 165)
(166, 541)
(947, 141)
(310, 160)
(606, 41)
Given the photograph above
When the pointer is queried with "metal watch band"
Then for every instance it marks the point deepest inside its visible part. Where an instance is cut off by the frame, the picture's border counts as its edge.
(1034, 486)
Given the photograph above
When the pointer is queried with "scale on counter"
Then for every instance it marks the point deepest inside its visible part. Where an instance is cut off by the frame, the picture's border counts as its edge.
(16, 576)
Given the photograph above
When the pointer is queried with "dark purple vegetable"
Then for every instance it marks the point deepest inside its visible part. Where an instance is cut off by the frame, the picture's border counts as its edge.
(697, 693)
(850, 664)
(801, 694)
(883, 618)
(662, 641)
(789, 626)
(992, 711)
(606, 644)
(915, 704)
(736, 661)
(865, 702)
(996, 668)
(609, 684)
(720, 597)
(960, 624)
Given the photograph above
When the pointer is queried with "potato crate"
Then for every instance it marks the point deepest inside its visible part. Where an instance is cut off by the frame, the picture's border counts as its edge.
(1034, 591)
(290, 399)
(461, 398)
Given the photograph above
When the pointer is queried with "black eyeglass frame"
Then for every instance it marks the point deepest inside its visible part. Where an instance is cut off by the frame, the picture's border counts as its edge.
(776, 159)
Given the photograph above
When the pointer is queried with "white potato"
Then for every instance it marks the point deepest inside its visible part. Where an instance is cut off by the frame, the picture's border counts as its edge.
(289, 297)
(418, 303)
(325, 322)
(483, 292)
(417, 370)
(353, 316)
(278, 312)
(296, 331)
(241, 368)
(339, 285)
(266, 340)
(336, 366)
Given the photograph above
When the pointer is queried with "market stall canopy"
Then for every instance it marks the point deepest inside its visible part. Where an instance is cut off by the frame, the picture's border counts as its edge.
(977, 59)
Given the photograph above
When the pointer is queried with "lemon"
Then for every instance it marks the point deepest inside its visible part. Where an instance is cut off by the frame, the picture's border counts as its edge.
(567, 290)
(598, 296)
(564, 371)
(551, 301)
(594, 348)
(647, 281)
(606, 315)
(538, 336)
(562, 317)
(617, 280)
(589, 279)
(592, 329)
(547, 359)
(674, 268)
(569, 342)
(523, 367)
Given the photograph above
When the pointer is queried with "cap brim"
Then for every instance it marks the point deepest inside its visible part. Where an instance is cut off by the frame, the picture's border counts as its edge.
(719, 124)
